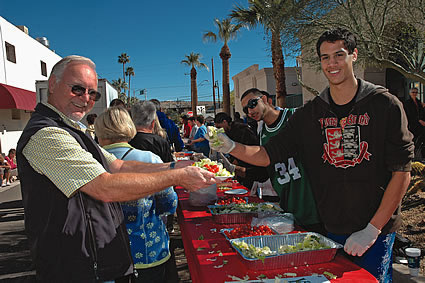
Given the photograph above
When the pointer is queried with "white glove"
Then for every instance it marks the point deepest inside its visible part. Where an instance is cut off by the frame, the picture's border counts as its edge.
(229, 166)
(226, 146)
(358, 243)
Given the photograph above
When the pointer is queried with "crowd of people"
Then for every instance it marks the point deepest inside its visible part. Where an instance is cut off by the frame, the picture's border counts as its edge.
(98, 206)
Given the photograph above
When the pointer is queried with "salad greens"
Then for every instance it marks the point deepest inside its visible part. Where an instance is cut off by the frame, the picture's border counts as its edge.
(213, 135)
(213, 166)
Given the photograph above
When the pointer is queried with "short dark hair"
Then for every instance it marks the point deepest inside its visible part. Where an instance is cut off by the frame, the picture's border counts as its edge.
(252, 90)
(90, 118)
(185, 117)
(116, 102)
(333, 35)
(191, 118)
(268, 95)
(220, 117)
(200, 119)
(157, 104)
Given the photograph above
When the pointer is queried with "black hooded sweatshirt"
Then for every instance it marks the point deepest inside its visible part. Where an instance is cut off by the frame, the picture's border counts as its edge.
(350, 161)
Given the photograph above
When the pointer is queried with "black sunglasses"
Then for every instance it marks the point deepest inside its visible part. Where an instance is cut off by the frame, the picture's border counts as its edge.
(252, 103)
(80, 90)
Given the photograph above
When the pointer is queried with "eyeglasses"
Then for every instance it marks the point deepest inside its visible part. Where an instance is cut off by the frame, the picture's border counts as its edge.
(252, 103)
(80, 90)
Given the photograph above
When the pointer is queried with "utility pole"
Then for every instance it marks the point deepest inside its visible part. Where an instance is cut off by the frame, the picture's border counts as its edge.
(218, 93)
(213, 86)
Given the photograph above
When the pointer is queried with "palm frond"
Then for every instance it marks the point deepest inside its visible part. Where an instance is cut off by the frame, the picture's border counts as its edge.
(209, 36)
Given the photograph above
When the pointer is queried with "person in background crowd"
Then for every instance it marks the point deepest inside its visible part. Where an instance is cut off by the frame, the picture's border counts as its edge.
(238, 117)
(170, 127)
(186, 126)
(199, 142)
(288, 177)
(144, 114)
(10, 159)
(192, 123)
(194, 126)
(416, 120)
(149, 240)
(357, 150)
(240, 132)
(90, 121)
(117, 102)
(71, 187)
(4, 170)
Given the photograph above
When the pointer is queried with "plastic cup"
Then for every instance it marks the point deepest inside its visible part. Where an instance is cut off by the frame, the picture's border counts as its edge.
(413, 258)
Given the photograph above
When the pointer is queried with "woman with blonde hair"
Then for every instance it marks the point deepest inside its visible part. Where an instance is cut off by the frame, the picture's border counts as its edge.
(149, 239)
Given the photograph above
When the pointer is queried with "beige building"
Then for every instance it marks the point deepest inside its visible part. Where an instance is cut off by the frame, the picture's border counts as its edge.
(264, 80)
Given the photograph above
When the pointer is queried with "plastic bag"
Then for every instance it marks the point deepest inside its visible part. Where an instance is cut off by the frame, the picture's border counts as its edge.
(204, 196)
(283, 223)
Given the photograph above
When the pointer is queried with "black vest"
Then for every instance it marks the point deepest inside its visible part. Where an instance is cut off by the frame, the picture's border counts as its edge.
(76, 239)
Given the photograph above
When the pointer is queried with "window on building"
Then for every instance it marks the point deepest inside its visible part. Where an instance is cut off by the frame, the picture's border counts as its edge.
(16, 114)
(10, 52)
(43, 69)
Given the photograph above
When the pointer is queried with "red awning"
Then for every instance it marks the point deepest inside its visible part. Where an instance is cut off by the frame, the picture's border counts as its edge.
(14, 97)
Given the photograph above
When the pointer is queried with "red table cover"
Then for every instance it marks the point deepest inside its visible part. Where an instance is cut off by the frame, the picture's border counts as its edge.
(206, 249)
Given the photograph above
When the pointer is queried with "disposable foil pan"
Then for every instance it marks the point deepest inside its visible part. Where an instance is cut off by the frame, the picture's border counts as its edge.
(231, 218)
(289, 259)
(222, 231)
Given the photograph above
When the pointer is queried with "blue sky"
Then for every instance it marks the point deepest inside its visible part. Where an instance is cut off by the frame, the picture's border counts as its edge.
(155, 34)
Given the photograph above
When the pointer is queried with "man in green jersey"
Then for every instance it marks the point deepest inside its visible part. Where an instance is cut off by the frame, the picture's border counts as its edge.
(288, 177)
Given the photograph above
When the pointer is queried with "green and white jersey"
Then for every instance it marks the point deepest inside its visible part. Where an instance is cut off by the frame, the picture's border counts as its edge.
(289, 178)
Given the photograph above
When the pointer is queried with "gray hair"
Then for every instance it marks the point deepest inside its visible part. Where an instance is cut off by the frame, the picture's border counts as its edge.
(60, 66)
(143, 113)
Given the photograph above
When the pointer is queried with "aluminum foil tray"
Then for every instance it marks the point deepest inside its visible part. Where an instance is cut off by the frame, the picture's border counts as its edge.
(289, 259)
(224, 198)
(230, 229)
(231, 218)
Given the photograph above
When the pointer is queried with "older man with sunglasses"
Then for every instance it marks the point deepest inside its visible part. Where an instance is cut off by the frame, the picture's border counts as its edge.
(288, 178)
(71, 187)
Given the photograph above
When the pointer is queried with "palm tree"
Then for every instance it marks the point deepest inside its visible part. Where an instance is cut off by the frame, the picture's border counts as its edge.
(121, 87)
(123, 59)
(129, 72)
(192, 60)
(273, 15)
(226, 31)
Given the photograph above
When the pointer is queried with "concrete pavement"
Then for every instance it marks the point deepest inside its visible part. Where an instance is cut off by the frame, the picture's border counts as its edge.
(15, 260)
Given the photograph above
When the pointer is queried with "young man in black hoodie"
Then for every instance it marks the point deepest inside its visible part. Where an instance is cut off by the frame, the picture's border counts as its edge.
(357, 150)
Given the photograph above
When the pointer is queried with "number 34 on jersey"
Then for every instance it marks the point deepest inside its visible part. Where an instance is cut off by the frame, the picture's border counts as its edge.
(286, 172)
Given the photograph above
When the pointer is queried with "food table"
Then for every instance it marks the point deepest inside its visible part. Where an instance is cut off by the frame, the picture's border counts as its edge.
(211, 258)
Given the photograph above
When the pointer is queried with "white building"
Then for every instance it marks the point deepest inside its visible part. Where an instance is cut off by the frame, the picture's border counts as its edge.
(263, 79)
(23, 60)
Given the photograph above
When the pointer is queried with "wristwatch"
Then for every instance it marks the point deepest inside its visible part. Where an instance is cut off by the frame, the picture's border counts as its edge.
(172, 164)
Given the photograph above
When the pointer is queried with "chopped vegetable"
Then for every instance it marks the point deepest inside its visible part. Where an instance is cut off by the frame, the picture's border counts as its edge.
(213, 166)
(310, 243)
(213, 135)
(329, 275)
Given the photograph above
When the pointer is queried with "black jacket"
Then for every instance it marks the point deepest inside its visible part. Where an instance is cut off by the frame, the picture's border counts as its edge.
(153, 143)
(349, 166)
(76, 239)
(414, 112)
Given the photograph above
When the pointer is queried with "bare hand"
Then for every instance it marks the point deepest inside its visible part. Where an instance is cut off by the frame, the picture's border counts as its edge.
(196, 178)
(422, 123)
(183, 163)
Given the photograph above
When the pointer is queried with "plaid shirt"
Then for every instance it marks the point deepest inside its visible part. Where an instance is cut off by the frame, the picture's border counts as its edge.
(53, 152)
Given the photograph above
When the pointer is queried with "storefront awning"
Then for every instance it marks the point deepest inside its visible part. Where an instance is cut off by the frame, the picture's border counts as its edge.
(14, 97)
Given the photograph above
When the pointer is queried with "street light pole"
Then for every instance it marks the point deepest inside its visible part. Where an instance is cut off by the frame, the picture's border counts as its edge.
(218, 93)
(213, 86)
